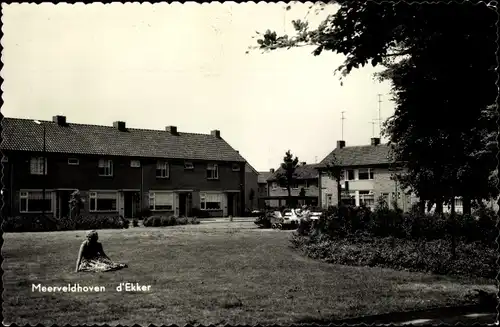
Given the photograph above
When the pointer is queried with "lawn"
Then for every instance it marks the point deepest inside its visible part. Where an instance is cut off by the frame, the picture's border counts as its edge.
(212, 273)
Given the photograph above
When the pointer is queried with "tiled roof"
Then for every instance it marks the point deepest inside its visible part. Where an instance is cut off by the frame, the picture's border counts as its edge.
(263, 176)
(26, 135)
(363, 155)
(301, 172)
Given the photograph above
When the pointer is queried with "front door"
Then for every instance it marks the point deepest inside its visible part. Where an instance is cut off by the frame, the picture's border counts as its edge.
(182, 204)
(62, 203)
(129, 205)
(230, 204)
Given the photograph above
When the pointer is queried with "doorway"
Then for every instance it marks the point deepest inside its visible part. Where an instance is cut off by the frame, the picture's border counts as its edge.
(182, 204)
(62, 203)
(230, 204)
(130, 204)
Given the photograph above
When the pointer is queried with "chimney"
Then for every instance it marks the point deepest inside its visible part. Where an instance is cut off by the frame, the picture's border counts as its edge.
(60, 120)
(375, 141)
(120, 125)
(340, 144)
(172, 130)
(271, 170)
(215, 133)
(303, 163)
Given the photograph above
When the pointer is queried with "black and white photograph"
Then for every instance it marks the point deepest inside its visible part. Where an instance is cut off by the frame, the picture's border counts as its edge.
(226, 163)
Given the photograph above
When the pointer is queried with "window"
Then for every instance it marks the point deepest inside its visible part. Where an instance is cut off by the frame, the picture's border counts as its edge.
(73, 161)
(366, 198)
(188, 165)
(458, 202)
(306, 184)
(102, 201)
(32, 201)
(274, 185)
(294, 185)
(36, 166)
(161, 201)
(135, 163)
(212, 171)
(364, 174)
(349, 175)
(210, 201)
(105, 167)
(162, 169)
(236, 167)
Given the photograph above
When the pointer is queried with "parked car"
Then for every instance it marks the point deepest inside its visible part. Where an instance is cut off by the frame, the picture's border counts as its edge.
(290, 219)
(316, 213)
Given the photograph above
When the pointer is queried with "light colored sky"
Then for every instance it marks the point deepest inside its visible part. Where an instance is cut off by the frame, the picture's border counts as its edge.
(185, 65)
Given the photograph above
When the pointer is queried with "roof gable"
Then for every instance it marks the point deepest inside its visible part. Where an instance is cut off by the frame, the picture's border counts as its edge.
(364, 155)
(263, 176)
(25, 135)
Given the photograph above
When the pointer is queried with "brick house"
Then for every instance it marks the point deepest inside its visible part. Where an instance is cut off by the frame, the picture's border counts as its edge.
(306, 178)
(251, 184)
(263, 189)
(368, 171)
(118, 170)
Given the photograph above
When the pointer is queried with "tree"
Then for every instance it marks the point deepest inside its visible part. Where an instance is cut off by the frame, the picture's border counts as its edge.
(334, 170)
(434, 55)
(251, 197)
(287, 173)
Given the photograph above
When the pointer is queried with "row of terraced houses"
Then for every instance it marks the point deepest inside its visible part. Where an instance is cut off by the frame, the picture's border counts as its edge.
(367, 175)
(118, 170)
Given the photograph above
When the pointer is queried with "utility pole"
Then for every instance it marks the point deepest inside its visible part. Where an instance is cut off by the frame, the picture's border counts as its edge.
(379, 115)
(342, 125)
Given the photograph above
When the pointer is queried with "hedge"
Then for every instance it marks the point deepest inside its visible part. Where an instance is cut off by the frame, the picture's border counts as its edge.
(161, 221)
(47, 224)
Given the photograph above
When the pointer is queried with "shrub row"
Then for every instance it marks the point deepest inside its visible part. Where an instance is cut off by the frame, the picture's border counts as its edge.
(383, 222)
(48, 224)
(159, 221)
(472, 259)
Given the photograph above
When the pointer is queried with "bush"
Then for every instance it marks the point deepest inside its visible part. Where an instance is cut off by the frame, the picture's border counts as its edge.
(198, 213)
(47, 224)
(135, 222)
(161, 221)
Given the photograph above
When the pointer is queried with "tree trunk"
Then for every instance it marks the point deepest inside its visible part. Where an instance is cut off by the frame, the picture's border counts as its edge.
(453, 223)
(467, 205)
(439, 206)
(339, 193)
(421, 207)
(289, 189)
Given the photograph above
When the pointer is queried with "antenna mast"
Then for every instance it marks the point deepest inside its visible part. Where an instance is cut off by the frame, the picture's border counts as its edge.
(373, 127)
(379, 116)
(342, 125)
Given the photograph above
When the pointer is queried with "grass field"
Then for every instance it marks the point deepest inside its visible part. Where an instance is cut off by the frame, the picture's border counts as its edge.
(212, 273)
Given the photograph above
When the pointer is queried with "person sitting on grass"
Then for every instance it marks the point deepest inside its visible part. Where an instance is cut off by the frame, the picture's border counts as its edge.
(91, 256)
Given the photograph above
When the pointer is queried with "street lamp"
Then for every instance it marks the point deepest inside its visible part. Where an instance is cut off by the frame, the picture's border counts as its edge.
(43, 169)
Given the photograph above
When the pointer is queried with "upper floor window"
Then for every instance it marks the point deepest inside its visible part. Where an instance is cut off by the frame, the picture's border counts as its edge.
(274, 185)
(135, 163)
(105, 167)
(73, 161)
(37, 166)
(188, 165)
(212, 171)
(364, 174)
(236, 167)
(162, 169)
(349, 175)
